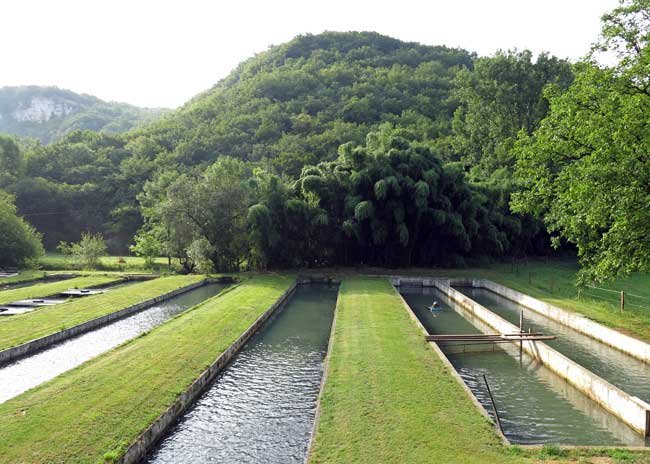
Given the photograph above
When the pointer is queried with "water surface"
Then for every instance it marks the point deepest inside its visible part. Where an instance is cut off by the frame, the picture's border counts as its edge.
(535, 405)
(262, 407)
(26, 373)
(627, 373)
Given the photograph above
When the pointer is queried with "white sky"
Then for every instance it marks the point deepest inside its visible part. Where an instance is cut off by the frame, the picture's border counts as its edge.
(163, 52)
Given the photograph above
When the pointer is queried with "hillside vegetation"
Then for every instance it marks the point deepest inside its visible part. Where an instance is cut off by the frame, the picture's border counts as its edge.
(49, 113)
(356, 148)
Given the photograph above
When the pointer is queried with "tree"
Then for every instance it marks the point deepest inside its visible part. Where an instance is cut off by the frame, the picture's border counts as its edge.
(211, 205)
(586, 170)
(20, 244)
(11, 161)
(87, 252)
(147, 246)
(501, 96)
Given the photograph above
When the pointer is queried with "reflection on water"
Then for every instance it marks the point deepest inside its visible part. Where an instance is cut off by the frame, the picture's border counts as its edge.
(262, 407)
(535, 405)
(31, 371)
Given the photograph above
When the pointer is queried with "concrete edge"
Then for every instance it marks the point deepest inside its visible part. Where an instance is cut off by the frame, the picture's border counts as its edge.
(578, 322)
(454, 373)
(157, 429)
(633, 412)
(323, 380)
(38, 344)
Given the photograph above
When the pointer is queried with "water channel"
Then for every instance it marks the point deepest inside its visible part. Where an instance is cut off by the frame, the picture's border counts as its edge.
(25, 373)
(535, 405)
(262, 407)
(627, 373)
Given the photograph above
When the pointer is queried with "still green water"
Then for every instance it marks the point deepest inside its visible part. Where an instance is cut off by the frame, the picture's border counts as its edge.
(534, 404)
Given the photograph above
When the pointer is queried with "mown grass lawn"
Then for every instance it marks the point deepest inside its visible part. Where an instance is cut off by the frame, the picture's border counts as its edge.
(97, 409)
(54, 288)
(24, 276)
(58, 261)
(388, 398)
(15, 330)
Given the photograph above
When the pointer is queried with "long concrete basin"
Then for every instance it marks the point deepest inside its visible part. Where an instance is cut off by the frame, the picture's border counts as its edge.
(630, 409)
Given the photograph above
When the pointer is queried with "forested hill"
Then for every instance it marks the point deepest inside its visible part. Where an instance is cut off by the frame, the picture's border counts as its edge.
(297, 102)
(49, 113)
(381, 112)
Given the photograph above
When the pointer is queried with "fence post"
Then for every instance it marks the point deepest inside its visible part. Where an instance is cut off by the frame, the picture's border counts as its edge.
(622, 300)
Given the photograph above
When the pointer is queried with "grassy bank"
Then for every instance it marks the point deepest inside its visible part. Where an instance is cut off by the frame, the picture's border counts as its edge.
(94, 412)
(388, 398)
(57, 261)
(553, 281)
(44, 321)
(24, 276)
(40, 290)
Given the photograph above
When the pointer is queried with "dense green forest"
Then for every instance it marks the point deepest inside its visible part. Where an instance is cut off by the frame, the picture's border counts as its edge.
(49, 113)
(356, 148)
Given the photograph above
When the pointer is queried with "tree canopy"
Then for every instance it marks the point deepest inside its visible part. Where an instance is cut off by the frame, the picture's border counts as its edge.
(586, 170)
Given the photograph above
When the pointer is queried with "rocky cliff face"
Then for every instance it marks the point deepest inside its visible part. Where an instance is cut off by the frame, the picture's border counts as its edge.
(41, 109)
(49, 113)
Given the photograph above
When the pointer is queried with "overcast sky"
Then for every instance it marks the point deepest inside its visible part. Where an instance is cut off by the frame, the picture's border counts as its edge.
(160, 53)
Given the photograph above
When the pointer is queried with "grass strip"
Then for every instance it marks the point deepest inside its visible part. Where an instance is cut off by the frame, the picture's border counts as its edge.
(24, 276)
(95, 411)
(54, 288)
(388, 398)
(15, 330)
(553, 281)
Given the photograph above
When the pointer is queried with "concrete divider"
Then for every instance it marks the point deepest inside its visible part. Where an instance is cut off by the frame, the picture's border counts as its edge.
(577, 322)
(630, 409)
(38, 344)
(137, 451)
(449, 366)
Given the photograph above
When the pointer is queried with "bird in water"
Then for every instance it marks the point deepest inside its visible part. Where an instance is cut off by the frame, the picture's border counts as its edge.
(434, 307)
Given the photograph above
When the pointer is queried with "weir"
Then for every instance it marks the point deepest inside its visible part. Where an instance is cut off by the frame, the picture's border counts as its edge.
(536, 406)
(262, 406)
(28, 372)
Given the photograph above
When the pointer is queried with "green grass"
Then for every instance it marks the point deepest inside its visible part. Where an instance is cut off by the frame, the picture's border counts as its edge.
(53, 288)
(15, 330)
(388, 398)
(553, 281)
(24, 276)
(58, 261)
(97, 409)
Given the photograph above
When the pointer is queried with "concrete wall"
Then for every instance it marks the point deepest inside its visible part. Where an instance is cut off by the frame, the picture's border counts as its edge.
(631, 410)
(578, 322)
(38, 344)
(147, 439)
(451, 368)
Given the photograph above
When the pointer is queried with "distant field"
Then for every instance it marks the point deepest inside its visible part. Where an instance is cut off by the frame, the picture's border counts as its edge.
(57, 261)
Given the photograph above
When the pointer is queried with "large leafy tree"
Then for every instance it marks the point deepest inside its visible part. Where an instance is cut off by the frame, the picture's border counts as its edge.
(19, 242)
(587, 168)
(499, 97)
(210, 206)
